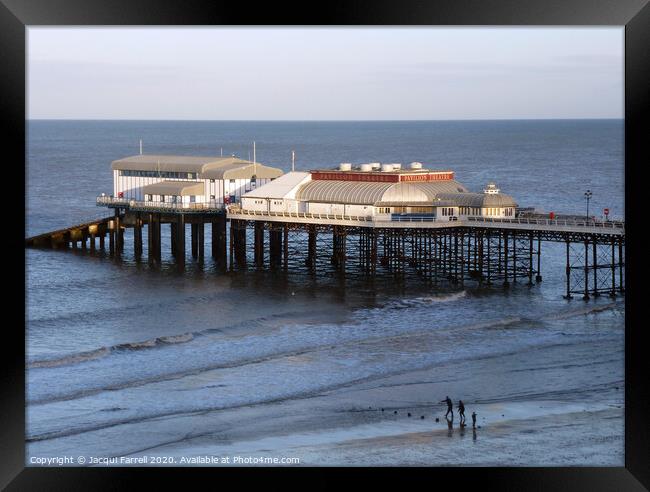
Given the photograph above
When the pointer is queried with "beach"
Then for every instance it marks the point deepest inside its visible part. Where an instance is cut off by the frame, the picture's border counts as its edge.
(127, 362)
(563, 409)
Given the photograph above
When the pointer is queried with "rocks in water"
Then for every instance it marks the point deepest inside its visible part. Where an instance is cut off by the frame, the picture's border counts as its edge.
(395, 412)
(422, 417)
(437, 419)
(409, 414)
(382, 409)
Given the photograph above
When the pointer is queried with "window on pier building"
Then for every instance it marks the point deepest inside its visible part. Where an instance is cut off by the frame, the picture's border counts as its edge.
(157, 174)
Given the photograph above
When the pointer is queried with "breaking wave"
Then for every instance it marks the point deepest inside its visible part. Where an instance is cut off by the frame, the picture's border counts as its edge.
(104, 351)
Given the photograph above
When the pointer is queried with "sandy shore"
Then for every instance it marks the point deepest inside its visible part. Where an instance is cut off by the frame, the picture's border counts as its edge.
(520, 420)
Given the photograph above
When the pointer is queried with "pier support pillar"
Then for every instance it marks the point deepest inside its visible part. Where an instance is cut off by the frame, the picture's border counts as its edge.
(505, 259)
(219, 240)
(238, 241)
(612, 292)
(150, 254)
(568, 271)
(195, 240)
(595, 265)
(275, 244)
(111, 238)
(586, 294)
(200, 235)
(153, 238)
(285, 244)
(119, 233)
(259, 244)
(339, 240)
(180, 240)
(538, 277)
(530, 259)
(102, 240)
(173, 237)
(621, 264)
(137, 236)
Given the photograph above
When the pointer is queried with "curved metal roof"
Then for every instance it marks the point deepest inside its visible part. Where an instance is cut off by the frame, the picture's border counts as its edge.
(498, 200)
(369, 193)
(242, 170)
(183, 188)
(207, 167)
(343, 192)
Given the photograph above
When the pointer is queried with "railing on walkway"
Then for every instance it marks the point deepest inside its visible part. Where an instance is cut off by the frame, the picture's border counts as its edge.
(407, 218)
(441, 221)
(233, 209)
(156, 205)
(605, 224)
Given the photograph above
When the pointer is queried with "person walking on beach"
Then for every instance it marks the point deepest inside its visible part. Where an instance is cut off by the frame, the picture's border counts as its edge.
(450, 406)
(461, 410)
(474, 420)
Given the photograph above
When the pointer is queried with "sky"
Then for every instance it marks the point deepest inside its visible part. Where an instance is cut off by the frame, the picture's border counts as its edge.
(415, 73)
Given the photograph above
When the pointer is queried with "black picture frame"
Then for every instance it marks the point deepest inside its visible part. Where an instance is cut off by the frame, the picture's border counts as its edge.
(16, 15)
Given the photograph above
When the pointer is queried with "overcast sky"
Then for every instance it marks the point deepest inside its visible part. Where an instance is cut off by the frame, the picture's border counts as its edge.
(324, 74)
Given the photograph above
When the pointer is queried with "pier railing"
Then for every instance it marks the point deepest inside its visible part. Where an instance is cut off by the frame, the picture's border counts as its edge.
(157, 206)
(233, 209)
(616, 227)
(604, 224)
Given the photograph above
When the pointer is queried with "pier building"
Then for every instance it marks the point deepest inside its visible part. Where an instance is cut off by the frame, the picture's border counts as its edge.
(389, 191)
(185, 181)
(372, 219)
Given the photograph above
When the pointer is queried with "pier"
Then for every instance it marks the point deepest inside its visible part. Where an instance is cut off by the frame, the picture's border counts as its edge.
(479, 251)
(370, 219)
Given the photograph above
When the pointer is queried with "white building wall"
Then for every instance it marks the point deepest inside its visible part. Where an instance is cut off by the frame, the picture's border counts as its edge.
(496, 212)
(326, 208)
(359, 210)
(256, 204)
(131, 187)
(277, 205)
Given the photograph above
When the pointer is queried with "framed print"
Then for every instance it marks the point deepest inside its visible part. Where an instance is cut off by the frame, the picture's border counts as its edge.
(394, 237)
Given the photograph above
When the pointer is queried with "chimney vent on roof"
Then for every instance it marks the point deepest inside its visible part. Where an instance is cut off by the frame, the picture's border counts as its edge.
(345, 166)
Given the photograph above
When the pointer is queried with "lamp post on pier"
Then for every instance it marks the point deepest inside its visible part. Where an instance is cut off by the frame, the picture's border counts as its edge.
(588, 194)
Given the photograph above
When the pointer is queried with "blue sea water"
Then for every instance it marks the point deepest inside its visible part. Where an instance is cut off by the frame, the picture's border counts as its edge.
(112, 344)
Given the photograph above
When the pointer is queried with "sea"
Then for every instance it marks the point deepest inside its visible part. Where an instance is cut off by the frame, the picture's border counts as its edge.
(123, 359)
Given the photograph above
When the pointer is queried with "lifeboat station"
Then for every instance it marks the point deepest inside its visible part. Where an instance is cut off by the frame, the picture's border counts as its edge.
(369, 218)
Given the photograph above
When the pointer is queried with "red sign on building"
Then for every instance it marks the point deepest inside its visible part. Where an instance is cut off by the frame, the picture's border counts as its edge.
(380, 177)
(438, 176)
